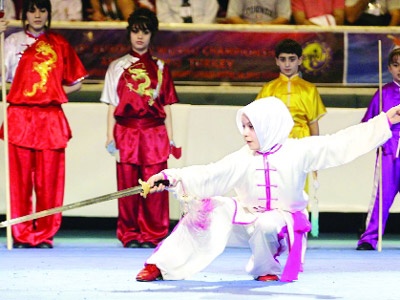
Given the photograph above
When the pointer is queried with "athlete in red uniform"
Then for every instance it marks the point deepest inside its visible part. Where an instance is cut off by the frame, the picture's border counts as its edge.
(43, 68)
(139, 90)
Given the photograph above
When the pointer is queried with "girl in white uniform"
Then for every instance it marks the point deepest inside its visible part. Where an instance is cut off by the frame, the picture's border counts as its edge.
(268, 213)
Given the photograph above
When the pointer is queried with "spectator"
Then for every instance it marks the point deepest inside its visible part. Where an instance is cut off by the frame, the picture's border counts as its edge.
(258, 12)
(149, 4)
(318, 12)
(87, 10)
(185, 11)
(111, 10)
(66, 10)
(223, 8)
(372, 13)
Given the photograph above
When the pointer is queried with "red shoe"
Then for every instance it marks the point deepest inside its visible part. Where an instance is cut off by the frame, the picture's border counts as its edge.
(149, 273)
(268, 278)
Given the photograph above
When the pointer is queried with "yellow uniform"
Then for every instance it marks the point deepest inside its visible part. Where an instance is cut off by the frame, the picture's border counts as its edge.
(302, 99)
(305, 105)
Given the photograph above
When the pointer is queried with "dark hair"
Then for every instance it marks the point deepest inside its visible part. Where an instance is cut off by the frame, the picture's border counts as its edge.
(29, 5)
(288, 46)
(143, 19)
(393, 56)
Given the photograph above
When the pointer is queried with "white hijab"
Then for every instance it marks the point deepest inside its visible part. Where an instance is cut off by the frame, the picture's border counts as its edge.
(271, 120)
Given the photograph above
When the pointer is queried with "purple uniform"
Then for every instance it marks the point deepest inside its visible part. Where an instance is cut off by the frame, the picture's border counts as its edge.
(390, 166)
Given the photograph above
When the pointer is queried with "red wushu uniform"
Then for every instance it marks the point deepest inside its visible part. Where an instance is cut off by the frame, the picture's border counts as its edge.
(38, 130)
(139, 86)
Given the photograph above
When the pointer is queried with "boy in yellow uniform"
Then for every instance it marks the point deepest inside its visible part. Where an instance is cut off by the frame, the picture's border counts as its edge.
(300, 96)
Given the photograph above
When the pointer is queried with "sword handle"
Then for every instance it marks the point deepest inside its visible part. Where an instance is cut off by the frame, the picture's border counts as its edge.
(146, 187)
(163, 182)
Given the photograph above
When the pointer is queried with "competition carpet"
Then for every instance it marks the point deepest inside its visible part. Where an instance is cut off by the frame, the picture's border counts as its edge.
(93, 265)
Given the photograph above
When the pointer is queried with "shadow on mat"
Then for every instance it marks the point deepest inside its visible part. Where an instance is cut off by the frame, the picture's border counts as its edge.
(236, 287)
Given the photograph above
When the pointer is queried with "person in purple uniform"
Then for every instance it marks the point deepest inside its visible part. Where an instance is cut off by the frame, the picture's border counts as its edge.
(390, 158)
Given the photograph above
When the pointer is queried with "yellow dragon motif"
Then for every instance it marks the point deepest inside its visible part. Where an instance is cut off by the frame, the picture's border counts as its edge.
(143, 88)
(46, 53)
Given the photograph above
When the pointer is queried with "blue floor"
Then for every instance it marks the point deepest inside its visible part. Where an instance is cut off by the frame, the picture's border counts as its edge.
(93, 265)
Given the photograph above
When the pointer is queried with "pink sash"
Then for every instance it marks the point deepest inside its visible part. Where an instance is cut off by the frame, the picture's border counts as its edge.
(294, 264)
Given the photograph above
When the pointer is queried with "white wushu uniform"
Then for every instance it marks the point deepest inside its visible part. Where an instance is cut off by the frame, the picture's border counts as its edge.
(269, 208)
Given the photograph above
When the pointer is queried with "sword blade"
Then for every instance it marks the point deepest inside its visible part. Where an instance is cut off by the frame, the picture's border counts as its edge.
(142, 189)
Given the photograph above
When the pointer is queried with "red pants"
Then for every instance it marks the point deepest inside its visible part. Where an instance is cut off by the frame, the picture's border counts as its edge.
(44, 172)
(144, 220)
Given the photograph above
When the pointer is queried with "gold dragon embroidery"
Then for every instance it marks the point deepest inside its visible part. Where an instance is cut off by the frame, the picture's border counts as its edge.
(49, 57)
(138, 74)
(143, 87)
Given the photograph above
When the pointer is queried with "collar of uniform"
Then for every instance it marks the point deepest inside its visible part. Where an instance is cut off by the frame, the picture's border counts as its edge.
(285, 78)
(140, 56)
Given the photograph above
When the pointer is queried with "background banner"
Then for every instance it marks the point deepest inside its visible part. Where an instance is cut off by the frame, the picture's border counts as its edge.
(215, 56)
(241, 57)
(363, 60)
